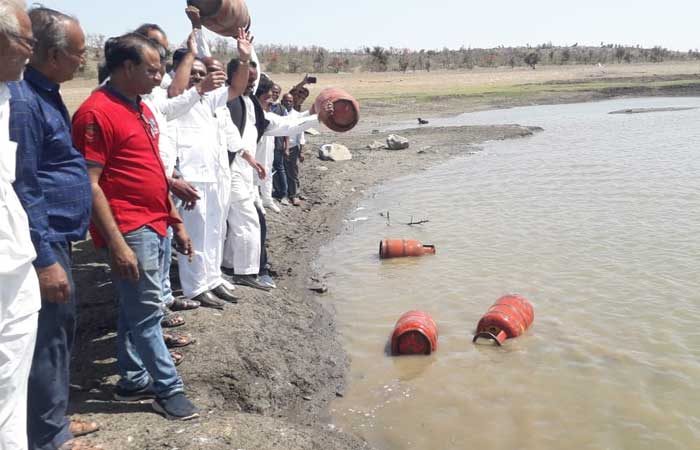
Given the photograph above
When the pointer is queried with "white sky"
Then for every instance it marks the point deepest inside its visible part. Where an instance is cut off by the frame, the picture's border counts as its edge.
(429, 24)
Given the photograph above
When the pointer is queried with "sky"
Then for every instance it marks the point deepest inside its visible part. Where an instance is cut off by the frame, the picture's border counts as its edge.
(417, 24)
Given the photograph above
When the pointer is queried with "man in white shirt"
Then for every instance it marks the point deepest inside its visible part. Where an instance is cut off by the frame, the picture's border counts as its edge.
(20, 299)
(202, 153)
(295, 155)
(244, 252)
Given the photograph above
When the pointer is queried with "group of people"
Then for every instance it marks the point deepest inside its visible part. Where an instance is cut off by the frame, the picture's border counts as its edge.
(187, 153)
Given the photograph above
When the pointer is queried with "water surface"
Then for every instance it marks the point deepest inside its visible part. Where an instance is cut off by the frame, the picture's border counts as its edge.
(596, 220)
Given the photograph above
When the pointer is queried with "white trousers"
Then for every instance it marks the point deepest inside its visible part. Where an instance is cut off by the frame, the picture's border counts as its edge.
(242, 248)
(17, 339)
(265, 155)
(206, 225)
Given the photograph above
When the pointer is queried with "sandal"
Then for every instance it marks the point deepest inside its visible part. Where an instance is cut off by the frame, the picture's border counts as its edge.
(81, 427)
(172, 320)
(177, 357)
(175, 340)
(78, 444)
(183, 304)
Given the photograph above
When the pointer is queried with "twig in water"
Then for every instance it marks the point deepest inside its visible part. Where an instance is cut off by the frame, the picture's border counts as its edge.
(420, 222)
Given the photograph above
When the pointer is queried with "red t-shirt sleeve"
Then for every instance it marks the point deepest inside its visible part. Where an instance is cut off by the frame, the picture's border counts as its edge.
(92, 136)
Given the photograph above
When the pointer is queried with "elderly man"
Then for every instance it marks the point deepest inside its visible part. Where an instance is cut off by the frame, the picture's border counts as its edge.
(118, 135)
(54, 188)
(19, 289)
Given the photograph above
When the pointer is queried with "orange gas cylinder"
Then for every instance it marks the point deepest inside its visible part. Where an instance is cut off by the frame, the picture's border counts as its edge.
(415, 333)
(346, 110)
(508, 318)
(398, 248)
(224, 17)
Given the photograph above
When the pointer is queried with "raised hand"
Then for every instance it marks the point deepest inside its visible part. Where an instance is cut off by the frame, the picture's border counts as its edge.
(193, 14)
(213, 80)
(245, 44)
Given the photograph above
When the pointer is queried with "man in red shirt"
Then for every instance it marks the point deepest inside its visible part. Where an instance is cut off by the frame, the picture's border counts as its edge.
(118, 135)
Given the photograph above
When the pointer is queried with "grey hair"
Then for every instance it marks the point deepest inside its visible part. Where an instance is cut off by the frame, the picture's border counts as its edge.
(8, 15)
(49, 28)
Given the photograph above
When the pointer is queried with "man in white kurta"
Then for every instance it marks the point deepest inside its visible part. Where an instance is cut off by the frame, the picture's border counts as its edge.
(200, 139)
(243, 242)
(20, 299)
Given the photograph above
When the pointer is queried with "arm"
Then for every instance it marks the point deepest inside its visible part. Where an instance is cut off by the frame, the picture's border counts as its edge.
(235, 145)
(26, 128)
(183, 243)
(289, 125)
(182, 74)
(123, 259)
(196, 21)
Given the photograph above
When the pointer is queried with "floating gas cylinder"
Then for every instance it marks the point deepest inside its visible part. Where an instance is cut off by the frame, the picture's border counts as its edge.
(346, 110)
(508, 318)
(415, 333)
(223, 17)
(399, 248)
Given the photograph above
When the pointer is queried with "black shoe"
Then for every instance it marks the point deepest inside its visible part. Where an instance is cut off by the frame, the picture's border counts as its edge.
(227, 271)
(224, 294)
(250, 281)
(176, 407)
(122, 395)
(209, 300)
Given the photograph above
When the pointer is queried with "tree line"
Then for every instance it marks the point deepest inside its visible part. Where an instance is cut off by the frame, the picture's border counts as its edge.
(315, 59)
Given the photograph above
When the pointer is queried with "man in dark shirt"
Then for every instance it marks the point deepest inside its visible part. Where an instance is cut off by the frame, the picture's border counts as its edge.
(53, 186)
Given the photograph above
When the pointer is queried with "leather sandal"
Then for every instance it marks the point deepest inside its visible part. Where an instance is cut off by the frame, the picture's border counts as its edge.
(172, 320)
(79, 444)
(177, 340)
(183, 304)
(79, 427)
(177, 357)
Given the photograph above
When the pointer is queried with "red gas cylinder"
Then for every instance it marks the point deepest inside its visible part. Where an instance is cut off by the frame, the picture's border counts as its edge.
(346, 110)
(508, 318)
(398, 248)
(224, 17)
(415, 333)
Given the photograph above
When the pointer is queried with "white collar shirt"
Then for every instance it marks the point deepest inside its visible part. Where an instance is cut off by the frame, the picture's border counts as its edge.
(16, 245)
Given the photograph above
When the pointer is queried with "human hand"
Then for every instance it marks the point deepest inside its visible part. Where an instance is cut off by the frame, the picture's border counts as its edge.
(124, 262)
(194, 16)
(212, 81)
(192, 44)
(245, 44)
(184, 191)
(260, 169)
(301, 157)
(53, 283)
(183, 243)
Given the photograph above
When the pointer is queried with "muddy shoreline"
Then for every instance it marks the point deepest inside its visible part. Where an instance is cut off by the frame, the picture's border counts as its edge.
(265, 371)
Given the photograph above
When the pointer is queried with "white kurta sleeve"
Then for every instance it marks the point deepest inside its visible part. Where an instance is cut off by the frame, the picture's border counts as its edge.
(203, 50)
(289, 125)
(175, 107)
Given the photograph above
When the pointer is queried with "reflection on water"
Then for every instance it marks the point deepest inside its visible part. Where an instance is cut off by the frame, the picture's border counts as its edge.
(596, 221)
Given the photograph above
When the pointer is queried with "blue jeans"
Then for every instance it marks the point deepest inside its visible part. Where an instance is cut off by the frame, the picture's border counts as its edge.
(48, 390)
(141, 352)
(167, 290)
(279, 179)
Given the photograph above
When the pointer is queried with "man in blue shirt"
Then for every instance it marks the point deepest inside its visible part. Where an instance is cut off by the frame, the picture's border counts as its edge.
(53, 186)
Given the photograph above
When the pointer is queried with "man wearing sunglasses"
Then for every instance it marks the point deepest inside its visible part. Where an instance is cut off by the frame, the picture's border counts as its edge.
(53, 186)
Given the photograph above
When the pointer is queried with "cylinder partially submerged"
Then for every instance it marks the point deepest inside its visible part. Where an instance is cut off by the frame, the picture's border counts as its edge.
(346, 110)
(508, 318)
(415, 333)
(399, 248)
(223, 17)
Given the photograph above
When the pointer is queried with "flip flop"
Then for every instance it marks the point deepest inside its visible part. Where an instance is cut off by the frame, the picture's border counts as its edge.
(176, 340)
(81, 427)
(177, 357)
(172, 320)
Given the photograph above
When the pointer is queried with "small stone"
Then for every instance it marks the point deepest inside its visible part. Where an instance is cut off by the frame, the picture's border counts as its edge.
(396, 142)
(376, 145)
(334, 152)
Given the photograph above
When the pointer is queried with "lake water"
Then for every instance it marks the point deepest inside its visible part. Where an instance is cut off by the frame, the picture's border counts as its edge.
(596, 221)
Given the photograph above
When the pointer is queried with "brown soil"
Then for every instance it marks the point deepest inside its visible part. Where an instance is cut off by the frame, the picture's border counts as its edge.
(265, 371)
